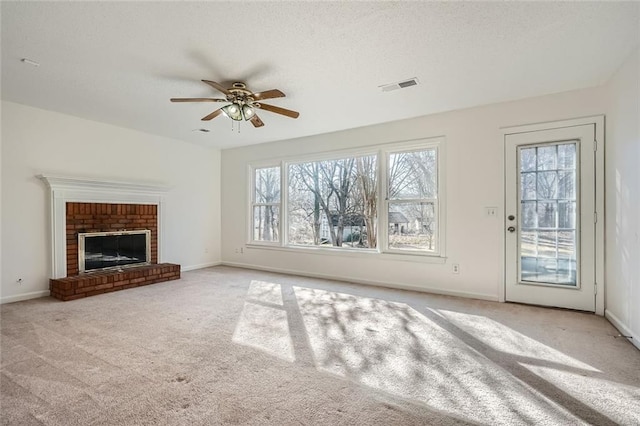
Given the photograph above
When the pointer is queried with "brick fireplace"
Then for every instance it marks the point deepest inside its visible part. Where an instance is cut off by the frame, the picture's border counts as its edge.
(88, 205)
(103, 217)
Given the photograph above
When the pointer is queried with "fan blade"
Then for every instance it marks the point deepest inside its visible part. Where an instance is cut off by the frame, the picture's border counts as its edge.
(219, 87)
(197, 100)
(269, 94)
(213, 115)
(256, 121)
(278, 110)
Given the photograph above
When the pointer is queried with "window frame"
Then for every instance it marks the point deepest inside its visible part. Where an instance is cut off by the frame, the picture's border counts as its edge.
(382, 153)
(436, 144)
(253, 168)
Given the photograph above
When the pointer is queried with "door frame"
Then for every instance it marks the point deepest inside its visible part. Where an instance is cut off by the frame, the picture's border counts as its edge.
(599, 122)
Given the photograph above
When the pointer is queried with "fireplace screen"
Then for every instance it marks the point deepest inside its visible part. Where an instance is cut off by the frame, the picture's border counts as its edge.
(104, 250)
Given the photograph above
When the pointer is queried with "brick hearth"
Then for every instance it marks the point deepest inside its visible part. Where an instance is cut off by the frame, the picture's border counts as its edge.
(94, 283)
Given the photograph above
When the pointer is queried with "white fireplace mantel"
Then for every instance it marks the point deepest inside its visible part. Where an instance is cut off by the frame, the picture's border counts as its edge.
(85, 190)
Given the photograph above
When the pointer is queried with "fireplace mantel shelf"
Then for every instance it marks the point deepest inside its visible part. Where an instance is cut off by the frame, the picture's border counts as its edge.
(87, 184)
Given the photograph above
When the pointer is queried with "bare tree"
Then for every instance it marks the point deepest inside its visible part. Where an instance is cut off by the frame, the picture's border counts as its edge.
(267, 191)
(339, 176)
(399, 176)
(339, 193)
(305, 179)
(412, 192)
(367, 182)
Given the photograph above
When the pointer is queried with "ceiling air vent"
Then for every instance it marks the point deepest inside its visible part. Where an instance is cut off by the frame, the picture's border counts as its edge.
(399, 85)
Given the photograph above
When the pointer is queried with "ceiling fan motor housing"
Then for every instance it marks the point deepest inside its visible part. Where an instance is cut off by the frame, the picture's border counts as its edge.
(239, 94)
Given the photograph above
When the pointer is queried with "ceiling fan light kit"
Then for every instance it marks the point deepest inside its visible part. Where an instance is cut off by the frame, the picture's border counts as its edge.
(242, 103)
(233, 111)
(248, 112)
(238, 112)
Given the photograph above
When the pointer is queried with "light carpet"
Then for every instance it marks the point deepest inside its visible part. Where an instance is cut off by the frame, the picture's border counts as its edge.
(231, 346)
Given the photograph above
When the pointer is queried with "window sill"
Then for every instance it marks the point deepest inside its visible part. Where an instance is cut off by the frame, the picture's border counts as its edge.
(363, 254)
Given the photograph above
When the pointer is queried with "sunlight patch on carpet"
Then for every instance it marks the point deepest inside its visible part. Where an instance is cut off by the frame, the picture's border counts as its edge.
(508, 340)
(609, 398)
(392, 347)
(265, 328)
(265, 292)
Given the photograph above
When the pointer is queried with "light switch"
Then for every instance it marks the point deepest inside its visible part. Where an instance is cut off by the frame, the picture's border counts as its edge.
(491, 211)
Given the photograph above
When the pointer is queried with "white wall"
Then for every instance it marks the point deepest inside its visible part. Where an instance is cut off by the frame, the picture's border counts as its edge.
(623, 199)
(474, 180)
(37, 141)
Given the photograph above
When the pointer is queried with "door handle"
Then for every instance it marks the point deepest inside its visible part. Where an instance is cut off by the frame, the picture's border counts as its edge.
(511, 229)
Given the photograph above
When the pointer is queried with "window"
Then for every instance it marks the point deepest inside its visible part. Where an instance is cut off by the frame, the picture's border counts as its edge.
(413, 200)
(266, 204)
(337, 202)
(333, 203)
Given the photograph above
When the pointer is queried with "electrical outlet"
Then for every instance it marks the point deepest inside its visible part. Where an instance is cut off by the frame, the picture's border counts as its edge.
(455, 268)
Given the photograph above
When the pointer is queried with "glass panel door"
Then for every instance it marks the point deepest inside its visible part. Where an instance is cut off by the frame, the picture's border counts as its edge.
(550, 217)
(548, 193)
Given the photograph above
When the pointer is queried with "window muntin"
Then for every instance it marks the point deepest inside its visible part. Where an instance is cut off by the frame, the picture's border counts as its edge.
(266, 204)
(412, 201)
(333, 203)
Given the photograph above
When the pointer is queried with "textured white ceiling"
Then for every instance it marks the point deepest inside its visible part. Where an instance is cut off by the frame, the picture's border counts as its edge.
(120, 62)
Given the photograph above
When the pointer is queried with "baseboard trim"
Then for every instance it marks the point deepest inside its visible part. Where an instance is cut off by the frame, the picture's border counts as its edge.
(399, 286)
(200, 266)
(24, 296)
(622, 328)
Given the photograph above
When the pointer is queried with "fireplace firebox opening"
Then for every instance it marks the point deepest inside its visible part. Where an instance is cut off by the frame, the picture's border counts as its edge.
(99, 251)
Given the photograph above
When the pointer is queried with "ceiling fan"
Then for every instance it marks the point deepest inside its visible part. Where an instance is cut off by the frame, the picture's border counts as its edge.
(242, 103)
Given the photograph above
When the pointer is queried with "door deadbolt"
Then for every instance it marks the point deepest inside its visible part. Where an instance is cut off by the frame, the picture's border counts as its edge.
(511, 217)
(511, 229)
